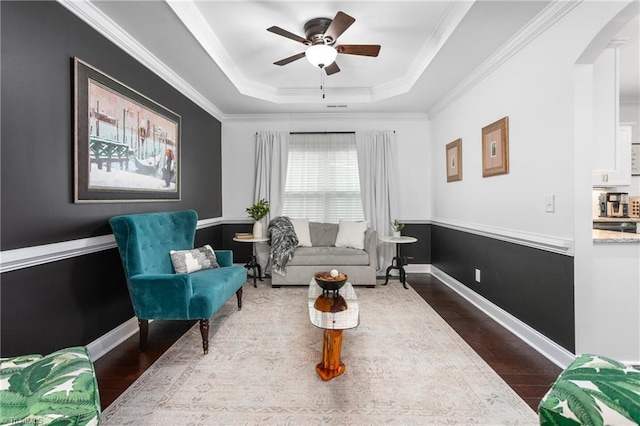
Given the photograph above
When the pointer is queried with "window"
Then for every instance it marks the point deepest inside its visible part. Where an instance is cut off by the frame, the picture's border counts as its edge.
(322, 183)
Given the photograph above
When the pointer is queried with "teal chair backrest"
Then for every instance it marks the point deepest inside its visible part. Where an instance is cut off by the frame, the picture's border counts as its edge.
(145, 239)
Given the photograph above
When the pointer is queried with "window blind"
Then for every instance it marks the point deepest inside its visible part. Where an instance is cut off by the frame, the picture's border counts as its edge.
(322, 181)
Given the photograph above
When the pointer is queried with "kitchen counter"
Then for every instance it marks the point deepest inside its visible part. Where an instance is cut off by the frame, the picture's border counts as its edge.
(616, 219)
(600, 236)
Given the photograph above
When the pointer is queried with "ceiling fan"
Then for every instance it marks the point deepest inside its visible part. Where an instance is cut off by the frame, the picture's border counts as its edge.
(321, 35)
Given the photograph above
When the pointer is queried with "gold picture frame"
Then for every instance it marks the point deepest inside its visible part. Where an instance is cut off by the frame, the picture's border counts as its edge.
(495, 148)
(454, 160)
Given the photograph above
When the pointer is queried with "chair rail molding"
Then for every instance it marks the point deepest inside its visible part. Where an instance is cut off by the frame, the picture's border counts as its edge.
(12, 260)
(543, 242)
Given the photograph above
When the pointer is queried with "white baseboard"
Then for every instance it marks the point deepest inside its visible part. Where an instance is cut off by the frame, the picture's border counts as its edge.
(105, 343)
(547, 347)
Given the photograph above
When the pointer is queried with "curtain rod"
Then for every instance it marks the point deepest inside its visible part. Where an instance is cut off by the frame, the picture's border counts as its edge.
(322, 133)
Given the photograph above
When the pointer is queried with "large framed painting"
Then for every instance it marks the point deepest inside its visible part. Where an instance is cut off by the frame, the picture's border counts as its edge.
(127, 146)
(454, 160)
(495, 148)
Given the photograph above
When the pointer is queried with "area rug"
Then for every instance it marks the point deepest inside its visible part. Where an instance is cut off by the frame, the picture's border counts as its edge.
(404, 366)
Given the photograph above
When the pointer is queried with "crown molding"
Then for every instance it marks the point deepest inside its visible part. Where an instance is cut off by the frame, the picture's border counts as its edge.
(188, 12)
(541, 23)
(318, 116)
(100, 22)
(454, 14)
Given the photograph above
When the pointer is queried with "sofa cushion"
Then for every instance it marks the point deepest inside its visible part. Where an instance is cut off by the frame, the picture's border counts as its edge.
(329, 257)
(301, 226)
(351, 234)
(323, 234)
(213, 287)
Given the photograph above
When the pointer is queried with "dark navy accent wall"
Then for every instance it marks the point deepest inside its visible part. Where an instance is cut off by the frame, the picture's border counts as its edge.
(74, 301)
(39, 40)
(535, 286)
(420, 251)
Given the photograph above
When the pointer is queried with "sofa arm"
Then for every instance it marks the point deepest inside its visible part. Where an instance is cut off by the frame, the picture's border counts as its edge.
(224, 257)
(161, 296)
(371, 246)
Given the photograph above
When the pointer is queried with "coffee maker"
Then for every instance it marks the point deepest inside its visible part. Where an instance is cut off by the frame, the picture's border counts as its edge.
(617, 204)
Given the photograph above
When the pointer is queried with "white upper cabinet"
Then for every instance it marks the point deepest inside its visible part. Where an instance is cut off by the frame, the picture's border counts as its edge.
(612, 142)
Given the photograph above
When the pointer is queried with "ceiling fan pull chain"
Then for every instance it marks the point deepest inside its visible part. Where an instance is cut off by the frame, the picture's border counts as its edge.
(322, 82)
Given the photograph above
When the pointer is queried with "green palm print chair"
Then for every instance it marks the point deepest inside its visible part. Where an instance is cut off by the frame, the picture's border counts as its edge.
(593, 390)
(56, 389)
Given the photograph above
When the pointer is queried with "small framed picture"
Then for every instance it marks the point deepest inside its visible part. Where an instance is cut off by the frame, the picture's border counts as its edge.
(495, 148)
(454, 160)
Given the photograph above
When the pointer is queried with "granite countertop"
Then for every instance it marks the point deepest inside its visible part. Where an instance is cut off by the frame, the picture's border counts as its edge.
(616, 219)
(600, 236)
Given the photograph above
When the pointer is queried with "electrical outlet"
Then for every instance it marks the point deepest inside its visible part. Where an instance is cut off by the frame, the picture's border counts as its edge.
(478, 275)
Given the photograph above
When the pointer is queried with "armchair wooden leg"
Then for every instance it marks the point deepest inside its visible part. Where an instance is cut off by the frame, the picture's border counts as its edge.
(239, 294)
(144, 334)
(204, 331)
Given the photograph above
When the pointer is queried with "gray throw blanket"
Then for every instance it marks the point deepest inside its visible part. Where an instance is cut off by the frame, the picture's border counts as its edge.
(283, 243)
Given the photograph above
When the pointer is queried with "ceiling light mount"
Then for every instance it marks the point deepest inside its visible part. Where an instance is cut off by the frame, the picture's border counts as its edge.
(315, 28)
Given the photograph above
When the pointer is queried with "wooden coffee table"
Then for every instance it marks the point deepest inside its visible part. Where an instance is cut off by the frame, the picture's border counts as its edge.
(333, 323)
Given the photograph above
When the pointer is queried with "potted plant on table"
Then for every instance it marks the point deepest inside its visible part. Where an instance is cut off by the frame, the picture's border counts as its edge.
(257, 211)
(397, 228)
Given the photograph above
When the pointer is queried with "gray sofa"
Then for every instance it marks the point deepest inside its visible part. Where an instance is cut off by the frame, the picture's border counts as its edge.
(359, 265)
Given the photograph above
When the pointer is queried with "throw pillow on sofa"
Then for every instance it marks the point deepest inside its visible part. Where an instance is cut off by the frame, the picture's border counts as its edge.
(187, 261)
(301, 226)
(351, 234)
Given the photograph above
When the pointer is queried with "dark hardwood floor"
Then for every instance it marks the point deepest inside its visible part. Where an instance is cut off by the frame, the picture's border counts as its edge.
(525, 370)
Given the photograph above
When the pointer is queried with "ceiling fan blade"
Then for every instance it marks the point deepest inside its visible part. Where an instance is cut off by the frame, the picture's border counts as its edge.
(332, 69)
(340, 23)
(290, 59)
(359, 49)
(287, 34)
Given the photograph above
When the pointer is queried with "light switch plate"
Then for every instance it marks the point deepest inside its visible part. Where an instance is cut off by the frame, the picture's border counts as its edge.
(550, 203)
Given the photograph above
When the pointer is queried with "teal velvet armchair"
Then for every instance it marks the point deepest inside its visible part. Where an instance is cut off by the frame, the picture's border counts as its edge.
(159, 293)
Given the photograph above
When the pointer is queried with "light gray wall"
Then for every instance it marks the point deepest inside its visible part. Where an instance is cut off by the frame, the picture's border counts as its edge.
(535, 88)
(412, 137)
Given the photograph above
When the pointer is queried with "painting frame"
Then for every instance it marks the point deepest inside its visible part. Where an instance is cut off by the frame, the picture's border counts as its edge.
(114, 163)
(453, 152)
(495, 148)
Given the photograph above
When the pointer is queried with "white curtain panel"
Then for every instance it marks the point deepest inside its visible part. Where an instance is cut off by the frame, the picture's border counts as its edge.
(378, 186)
(272, 151)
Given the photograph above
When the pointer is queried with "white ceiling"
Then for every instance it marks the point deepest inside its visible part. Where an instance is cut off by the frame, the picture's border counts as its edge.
(220, 53)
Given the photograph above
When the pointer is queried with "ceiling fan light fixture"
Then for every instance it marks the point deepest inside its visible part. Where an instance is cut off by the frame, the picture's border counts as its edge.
(321, 55)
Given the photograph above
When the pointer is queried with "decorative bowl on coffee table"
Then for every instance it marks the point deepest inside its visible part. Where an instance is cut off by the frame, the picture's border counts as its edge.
(329, 283)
